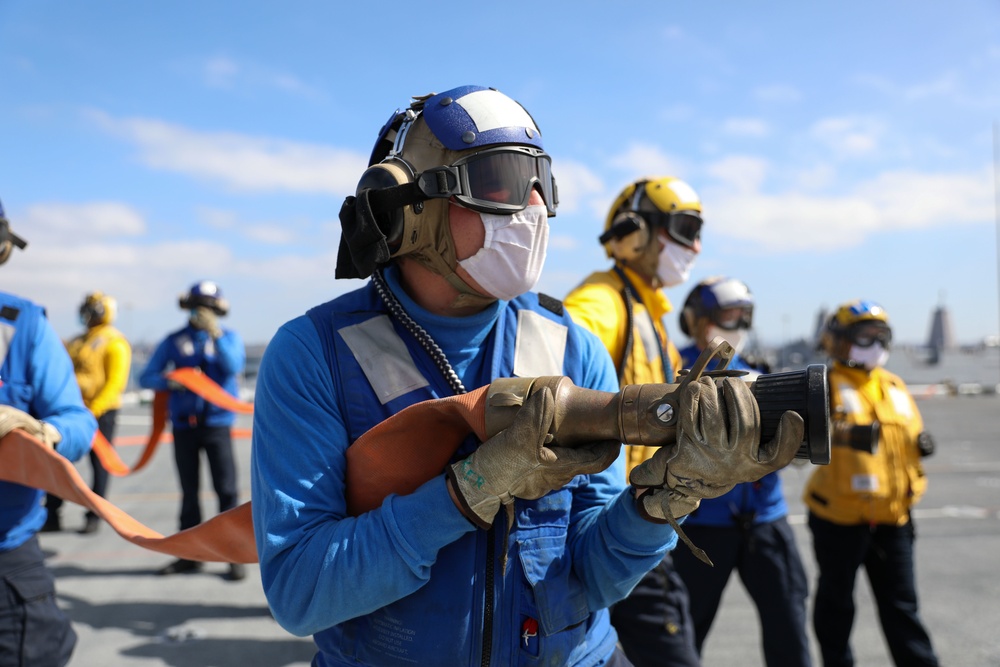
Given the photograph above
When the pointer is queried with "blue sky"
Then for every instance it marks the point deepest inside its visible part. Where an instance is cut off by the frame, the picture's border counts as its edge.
(841, 150)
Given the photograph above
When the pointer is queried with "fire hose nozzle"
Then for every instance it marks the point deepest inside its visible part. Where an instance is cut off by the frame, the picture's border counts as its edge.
(647, 414)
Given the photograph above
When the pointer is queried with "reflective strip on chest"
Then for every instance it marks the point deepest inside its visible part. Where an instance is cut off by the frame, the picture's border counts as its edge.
(864, 483)
(850, 400)
(647, 334)
(6, 336)
(540, 347)
(383, 357)
(901, 402)
(184, 345)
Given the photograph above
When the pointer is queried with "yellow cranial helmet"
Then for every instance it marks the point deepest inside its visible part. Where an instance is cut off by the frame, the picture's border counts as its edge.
(648, 204)
(860, 322)
(859, 310)
(98, 308)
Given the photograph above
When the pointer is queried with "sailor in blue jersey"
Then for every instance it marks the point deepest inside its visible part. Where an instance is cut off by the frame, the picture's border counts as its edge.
(746, 529)
(450, 222)
(38, 394)
(198, 425)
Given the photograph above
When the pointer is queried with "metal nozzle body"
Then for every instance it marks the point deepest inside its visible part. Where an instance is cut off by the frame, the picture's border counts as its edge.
(647, 414)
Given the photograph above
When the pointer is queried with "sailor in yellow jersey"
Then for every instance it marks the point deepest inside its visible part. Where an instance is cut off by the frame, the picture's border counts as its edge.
(653, 235)
(859, 505)
(101, 358)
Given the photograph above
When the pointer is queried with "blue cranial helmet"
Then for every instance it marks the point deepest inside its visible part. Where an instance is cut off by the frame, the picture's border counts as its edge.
(470, 146)
(712, 296)
(204, 293)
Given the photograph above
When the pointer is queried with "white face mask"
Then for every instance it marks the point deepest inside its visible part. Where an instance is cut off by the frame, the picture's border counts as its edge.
(869, 357)
(735, 337)
(675, 264)
(511, 259)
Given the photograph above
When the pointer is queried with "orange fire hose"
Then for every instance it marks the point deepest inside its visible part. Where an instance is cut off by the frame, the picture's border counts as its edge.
(193, 380)
(395, 456)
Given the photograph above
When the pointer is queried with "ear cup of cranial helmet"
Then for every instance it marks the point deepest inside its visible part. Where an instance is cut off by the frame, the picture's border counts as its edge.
(379, 177)
(629, 235)
(690, 311)
(687, 319)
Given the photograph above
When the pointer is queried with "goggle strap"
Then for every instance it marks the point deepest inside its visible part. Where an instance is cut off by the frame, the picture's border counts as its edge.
(384, 200)
(439, 183)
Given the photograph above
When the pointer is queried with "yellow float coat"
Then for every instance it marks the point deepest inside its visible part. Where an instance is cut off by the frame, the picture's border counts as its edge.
(598, 305)
(862, 488)
(101, 359)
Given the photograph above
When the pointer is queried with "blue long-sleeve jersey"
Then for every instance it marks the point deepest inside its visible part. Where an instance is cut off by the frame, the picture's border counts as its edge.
(36, 376)
(220, 359)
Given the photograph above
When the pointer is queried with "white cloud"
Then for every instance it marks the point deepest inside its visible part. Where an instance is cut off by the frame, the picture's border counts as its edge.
(946, 85)
(220, 72)
(270, 234)
(676, 113)
(909, 199)
(778, 92)
(815, 177)
(740, 173)
(147, 279)
(789, 221)
(892, 201)
(226, 73)
(83, 220)
(849, 136)
(646, 159)
(578, 186)
(746, 127)
(241, 162)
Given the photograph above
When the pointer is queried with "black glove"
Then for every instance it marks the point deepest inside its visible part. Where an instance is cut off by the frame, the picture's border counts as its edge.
(925, 443)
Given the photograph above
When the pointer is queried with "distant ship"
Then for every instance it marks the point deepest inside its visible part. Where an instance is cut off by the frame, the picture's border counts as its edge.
(942, 336)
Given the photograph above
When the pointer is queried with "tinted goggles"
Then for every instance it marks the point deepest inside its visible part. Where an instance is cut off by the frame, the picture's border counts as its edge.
(867, 334)
(684, 227)
(733, 318)
(496, 180)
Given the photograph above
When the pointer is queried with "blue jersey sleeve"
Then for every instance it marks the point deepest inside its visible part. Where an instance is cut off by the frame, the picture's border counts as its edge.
(56, 394)
(152, 375)
(231, 354)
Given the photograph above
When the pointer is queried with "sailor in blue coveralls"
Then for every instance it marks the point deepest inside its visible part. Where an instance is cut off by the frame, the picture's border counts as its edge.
(512, 554)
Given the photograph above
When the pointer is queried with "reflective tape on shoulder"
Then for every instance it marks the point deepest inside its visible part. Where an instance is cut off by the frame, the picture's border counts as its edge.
(383, 357)
(6, 336)
(540, 348)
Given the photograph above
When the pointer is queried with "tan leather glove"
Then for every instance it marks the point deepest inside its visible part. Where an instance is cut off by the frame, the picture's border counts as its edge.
(12, 418)
(717, 447)
(204, 318)
(516, 463)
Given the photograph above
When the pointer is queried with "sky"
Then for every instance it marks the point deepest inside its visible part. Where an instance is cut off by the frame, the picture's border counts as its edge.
(841, 150)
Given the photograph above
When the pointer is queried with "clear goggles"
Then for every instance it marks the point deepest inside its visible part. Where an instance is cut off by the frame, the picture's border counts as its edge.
(497, 180)
(732, 318)
(866, 334)
(684, 227)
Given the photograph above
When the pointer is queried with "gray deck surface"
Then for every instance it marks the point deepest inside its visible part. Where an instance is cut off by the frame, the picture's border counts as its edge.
(127, 616)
